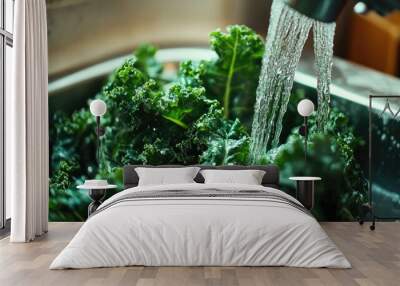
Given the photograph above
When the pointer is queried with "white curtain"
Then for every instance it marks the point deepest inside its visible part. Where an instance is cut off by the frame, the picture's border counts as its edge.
(27, 154)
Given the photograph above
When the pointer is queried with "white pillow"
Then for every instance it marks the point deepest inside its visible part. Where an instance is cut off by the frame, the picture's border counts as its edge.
(247, 177)
(166, 176)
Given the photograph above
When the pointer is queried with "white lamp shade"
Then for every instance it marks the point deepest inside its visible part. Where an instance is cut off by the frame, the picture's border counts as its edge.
(305, 107)
(98, 107)
(360, 8)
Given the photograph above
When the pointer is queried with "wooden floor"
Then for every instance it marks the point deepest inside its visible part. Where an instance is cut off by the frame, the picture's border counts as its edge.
(375, 257)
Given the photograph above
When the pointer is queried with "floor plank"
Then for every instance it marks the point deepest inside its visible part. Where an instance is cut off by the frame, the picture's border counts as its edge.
(375, 257)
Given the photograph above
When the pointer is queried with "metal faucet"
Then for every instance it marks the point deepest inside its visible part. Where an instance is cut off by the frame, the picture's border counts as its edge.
(328, 10)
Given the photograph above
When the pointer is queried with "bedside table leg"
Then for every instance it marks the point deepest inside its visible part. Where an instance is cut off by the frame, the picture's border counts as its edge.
(97, 197)
(305, 193)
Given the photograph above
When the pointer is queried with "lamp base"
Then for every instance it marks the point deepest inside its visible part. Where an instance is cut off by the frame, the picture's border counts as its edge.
(97, 196)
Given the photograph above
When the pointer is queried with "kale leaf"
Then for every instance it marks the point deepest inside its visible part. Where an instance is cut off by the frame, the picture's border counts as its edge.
(233, 77)
(146, 61)
(228, 145)
(142, 117)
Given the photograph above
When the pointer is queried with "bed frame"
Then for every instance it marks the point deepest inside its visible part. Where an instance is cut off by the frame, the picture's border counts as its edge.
(270, 179)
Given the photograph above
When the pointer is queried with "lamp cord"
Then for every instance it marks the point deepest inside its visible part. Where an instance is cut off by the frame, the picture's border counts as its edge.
(98, 141)
(305, 138)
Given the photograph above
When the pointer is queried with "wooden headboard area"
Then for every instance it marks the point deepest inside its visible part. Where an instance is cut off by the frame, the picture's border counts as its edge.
(271, 177)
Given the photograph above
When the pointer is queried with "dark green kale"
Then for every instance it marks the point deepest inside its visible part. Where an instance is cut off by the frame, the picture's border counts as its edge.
(146, 61)
(330, 156)
(196, 119)
(228, 144)
(147, 125)
(233, 77)
(72, 143)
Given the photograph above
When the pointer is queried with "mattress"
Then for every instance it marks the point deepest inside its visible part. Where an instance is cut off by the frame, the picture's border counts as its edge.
(201, 225)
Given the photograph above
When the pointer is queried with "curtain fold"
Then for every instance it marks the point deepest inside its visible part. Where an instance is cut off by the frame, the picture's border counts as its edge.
(27, 140)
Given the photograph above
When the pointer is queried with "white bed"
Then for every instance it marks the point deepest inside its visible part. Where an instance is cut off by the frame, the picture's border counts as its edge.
(185, 230)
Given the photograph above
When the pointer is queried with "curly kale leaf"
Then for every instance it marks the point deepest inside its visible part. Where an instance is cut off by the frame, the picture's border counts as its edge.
(146, 61)
(147, 125)
(72, 138)
(190, 74)
(224, 141)
(133, 118)
(233, 77)
(72, 147)
(62, 178)
(65, 203)
(128, 77)
(184, 105)
(228, 144)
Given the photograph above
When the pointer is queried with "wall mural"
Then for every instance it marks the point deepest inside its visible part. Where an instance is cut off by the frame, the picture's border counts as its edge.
(202, 115)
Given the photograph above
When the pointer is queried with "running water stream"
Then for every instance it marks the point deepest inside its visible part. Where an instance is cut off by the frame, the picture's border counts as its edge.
(287, 34)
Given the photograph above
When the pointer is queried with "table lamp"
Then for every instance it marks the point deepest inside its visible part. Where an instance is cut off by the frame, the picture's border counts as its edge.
(305, 108)
(98, 108)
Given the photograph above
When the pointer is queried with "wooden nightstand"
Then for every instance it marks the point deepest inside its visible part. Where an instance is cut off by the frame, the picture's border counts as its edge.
(305, 190)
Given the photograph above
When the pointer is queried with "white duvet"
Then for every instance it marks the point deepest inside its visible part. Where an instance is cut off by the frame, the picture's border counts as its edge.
(200, 231)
